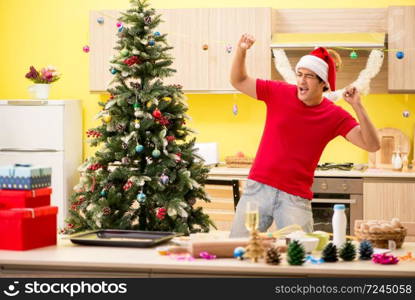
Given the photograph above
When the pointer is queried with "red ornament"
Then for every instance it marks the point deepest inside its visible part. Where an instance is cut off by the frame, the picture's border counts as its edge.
(106, 211)
(170, 138)
(128, 185)
(93, 133)
(111, 96)
(163, 121)
(180, 157)
(161, 213)
(95, 167)
(132, 60)
(156, 113)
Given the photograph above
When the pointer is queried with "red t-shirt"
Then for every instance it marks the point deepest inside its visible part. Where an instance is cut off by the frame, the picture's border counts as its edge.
(294, 137)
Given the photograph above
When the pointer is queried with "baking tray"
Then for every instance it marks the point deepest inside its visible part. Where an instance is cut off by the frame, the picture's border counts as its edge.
(122, 238)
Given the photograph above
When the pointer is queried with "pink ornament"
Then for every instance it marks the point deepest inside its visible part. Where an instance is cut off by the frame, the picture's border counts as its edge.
(207, 255)
(85, 49)
(385, 259)
(119, 24)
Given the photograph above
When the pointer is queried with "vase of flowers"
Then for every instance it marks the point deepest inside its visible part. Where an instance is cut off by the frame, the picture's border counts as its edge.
(42, 81)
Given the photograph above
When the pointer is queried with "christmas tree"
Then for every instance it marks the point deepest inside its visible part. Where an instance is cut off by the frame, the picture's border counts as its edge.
(365, 250)
(254, 250)
(295, 253)
(145, 174)
(347, 251)
(329, 253)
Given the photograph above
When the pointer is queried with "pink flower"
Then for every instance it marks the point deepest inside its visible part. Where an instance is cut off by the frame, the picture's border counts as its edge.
(46, 75)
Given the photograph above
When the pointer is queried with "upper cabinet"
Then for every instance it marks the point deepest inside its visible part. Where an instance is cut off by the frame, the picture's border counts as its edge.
(401, 37)
(187, 32)
(204, 41)
(226, 25)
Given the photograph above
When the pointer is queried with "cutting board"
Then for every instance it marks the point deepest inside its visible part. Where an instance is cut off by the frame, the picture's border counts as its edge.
(391, 139)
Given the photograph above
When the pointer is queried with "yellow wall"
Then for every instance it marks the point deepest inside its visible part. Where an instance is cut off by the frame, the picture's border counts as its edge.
(52, 32)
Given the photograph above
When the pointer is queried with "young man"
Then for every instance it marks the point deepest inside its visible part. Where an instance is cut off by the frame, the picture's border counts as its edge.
(299, 124)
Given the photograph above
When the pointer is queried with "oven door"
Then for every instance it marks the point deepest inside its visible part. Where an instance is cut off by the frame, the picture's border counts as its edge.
(322, 207)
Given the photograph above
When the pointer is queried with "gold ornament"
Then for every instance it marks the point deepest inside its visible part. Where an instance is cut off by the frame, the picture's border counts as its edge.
(107, 118)
(167, 99)
(149, 104)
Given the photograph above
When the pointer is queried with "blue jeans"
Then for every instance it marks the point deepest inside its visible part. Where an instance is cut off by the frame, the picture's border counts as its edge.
(274, 205)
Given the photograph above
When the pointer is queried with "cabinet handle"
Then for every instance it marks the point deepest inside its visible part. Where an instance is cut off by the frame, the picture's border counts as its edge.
(205, 47)
(27, 150)
(345, 201)
(345, 186)
(324, 186)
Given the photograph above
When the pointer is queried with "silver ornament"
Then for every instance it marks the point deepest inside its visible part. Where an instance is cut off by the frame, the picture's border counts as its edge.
(164, 179)
(235, 109)
(406, 113)
(137, 125)
(100, 20)
(138, 113)
(125, 73)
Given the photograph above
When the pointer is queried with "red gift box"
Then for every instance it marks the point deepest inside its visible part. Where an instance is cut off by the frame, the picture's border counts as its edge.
(25, 198)
(28, 228)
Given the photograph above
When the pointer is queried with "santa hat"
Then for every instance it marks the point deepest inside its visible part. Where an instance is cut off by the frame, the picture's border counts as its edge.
(320, 62)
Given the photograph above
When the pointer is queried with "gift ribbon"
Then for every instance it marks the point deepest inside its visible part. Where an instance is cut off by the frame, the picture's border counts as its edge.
(32, 210)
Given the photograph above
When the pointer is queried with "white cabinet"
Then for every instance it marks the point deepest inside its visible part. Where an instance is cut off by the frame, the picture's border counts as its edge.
(32, 128)
(45, 133)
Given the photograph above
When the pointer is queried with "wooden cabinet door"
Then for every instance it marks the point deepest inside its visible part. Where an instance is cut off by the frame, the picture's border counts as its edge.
(387, 198)
(197, 69)
(226, 25)
(102, 40)
(401, 37)
(187, 31)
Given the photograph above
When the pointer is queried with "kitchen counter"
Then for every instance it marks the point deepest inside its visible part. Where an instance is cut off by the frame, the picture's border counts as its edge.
(70, 260)
(240, 173)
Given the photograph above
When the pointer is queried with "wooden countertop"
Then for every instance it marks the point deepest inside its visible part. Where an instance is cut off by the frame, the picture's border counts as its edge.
(369, 173)
(67, 259)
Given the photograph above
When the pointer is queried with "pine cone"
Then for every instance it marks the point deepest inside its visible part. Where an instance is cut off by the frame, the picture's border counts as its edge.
(365, 250)
(330, 253)
(348, 251)
(106, 211)
(295, 253)
(273, 256)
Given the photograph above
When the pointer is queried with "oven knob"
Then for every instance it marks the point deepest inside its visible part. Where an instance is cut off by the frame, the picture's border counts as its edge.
(345, 186)
(324, 186)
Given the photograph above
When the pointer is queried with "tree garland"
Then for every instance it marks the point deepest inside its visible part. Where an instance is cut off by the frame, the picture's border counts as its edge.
(362, 83)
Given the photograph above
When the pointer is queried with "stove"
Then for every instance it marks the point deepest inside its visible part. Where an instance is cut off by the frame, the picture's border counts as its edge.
(333, 166)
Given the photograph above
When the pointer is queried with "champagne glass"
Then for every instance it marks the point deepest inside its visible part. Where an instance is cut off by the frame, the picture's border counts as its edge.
(252, 215)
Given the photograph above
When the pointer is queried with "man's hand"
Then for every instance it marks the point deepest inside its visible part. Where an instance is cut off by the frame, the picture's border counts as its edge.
(246, 41)
(351, 95)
